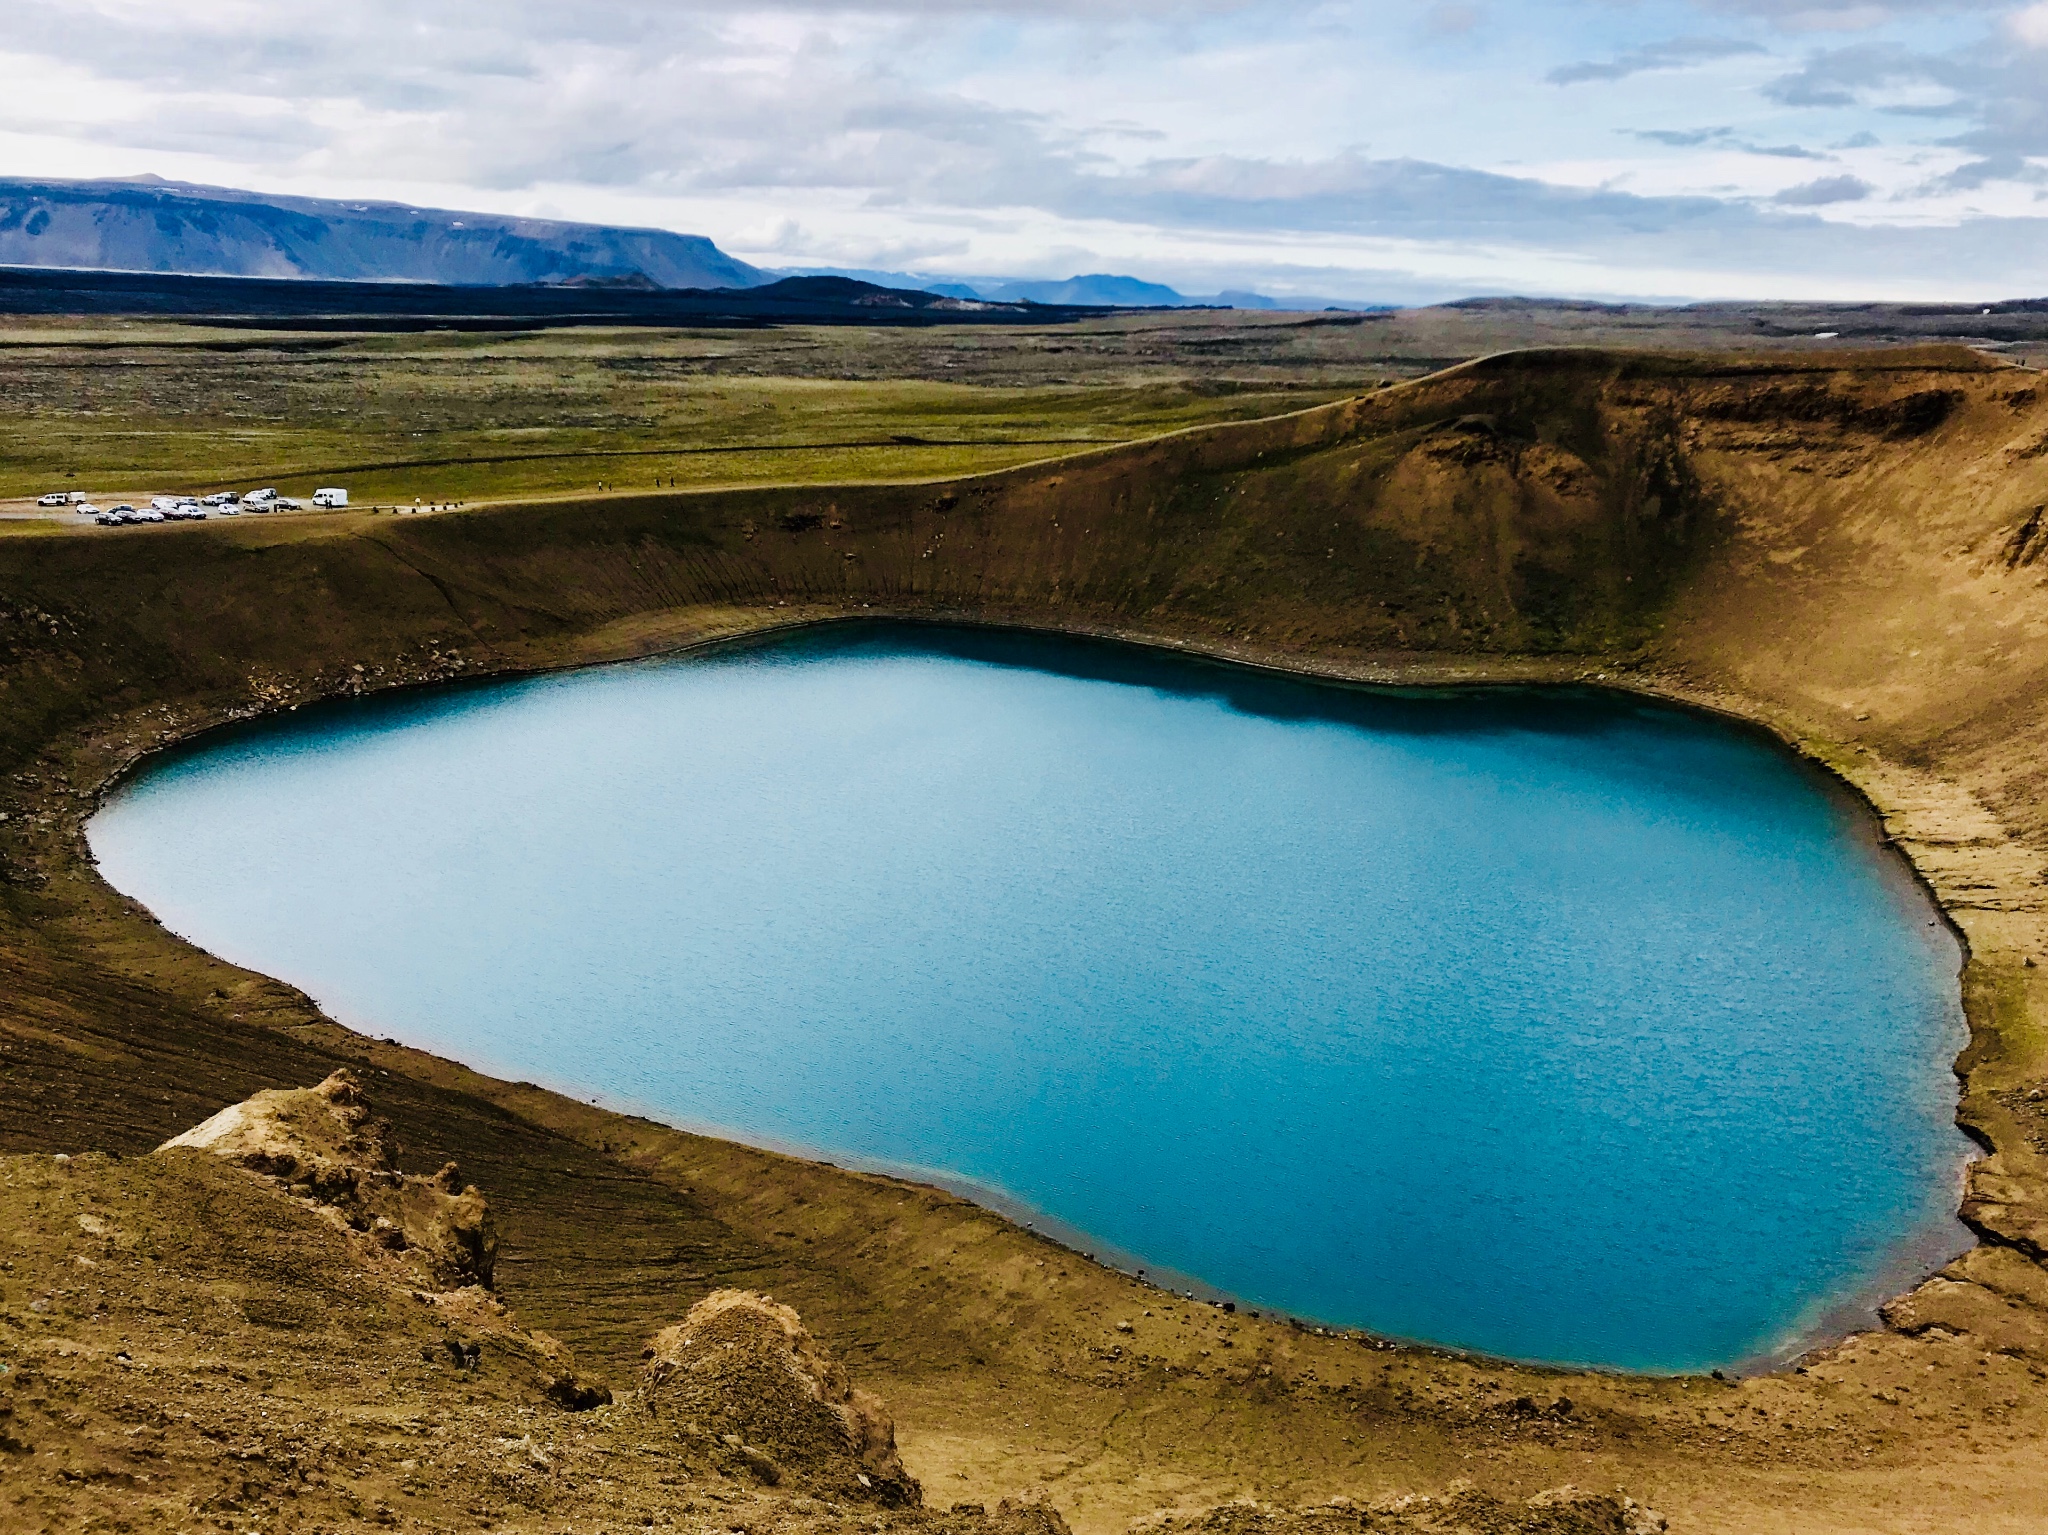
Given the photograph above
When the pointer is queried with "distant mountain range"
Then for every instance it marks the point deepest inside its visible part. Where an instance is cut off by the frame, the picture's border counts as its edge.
(147, 224)
(151, 225)
(1095, 288)
(312, 303)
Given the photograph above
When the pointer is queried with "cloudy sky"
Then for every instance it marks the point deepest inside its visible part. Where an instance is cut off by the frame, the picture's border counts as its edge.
(1366, 149)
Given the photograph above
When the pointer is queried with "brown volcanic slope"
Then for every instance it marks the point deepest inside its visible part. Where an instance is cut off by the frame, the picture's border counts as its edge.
(1851, 550)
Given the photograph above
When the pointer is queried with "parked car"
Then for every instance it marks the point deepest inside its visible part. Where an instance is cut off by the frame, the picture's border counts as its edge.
(55, 498)
(110, 519)
(221, 498)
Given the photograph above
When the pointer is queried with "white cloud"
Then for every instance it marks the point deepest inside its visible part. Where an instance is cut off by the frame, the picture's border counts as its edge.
(1824, 191)
(2030, 26)
(990, 135)
(1675, 53)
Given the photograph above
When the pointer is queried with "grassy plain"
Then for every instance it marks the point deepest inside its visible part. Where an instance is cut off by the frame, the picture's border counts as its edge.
(120, 408)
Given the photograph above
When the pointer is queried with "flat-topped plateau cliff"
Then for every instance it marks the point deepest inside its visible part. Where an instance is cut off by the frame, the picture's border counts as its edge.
(1846, 549)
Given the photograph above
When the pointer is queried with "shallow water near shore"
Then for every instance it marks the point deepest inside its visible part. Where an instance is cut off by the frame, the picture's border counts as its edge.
(1541, 1021)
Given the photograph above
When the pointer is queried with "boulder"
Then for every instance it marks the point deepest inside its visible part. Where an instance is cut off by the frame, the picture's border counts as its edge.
(747, 1371)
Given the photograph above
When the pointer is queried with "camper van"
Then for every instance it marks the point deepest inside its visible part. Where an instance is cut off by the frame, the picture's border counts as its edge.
(332, 496)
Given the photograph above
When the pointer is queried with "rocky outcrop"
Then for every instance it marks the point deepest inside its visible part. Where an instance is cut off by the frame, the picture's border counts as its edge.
(321, 1144)
(745, 1368)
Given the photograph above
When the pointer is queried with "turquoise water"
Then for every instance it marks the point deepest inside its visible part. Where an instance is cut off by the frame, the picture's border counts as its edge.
(1541, 1022)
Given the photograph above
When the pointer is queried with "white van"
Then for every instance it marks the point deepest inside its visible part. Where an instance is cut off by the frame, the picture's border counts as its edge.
(332, 496)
